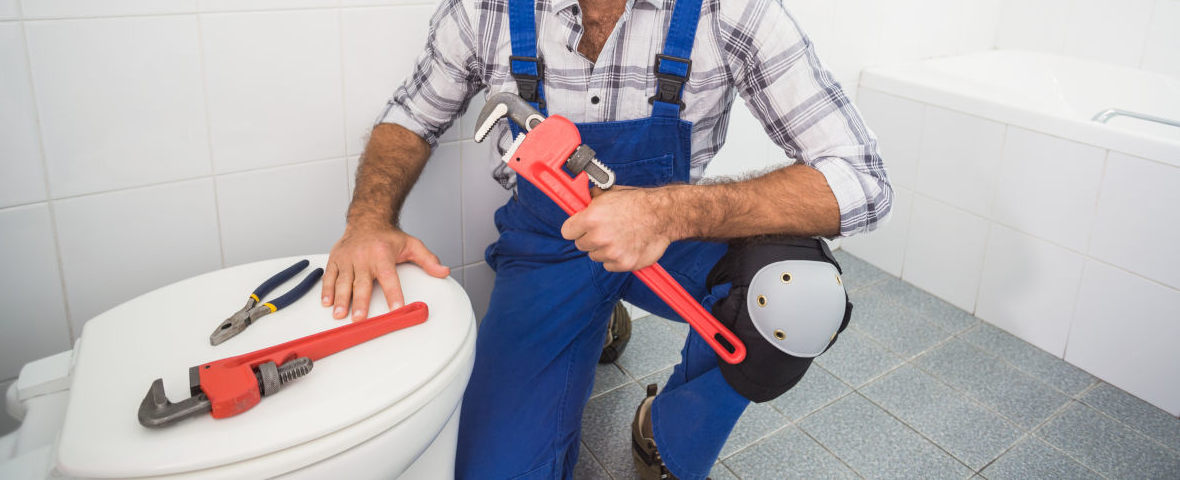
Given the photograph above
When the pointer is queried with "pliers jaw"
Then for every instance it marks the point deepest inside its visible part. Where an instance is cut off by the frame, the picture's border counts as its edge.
(238, 322)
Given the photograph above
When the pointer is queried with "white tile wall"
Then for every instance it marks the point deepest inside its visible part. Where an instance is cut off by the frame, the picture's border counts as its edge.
(898, 125)
(118, 111)
(480, 198)
(115, 246)
(89, 8)
(960, 159)
(9, 9)
(380, 47)
(1135, 226)
(1163, 39)
(1027, 287)
(227, 5)
(944, 255)
(1125, 331)
(1033, 25)
(22, 178)
(1111, 31)
(291, 210)
(886, 247)
(855, 40)
(275, 89)
(815, 18)
(432, 212)
(478, 280)
(1048, 187)
(34, 320)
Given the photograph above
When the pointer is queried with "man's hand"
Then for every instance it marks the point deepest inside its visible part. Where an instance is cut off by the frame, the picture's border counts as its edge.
(363, 255)
(622, 228)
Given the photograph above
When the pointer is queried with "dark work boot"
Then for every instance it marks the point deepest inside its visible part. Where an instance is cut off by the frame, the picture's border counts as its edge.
(618, 333)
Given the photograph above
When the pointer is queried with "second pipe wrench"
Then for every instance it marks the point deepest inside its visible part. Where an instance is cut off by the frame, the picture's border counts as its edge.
(255, 309)
(540, 155)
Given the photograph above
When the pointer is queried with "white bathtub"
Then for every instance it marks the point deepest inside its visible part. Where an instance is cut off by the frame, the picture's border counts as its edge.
(1012, 204)
(1048, 93)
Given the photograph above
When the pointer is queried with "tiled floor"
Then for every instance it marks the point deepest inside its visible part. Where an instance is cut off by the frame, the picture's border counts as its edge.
(916, 388)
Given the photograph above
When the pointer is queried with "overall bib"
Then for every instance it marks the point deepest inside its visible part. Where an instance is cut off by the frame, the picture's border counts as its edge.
(539, 343)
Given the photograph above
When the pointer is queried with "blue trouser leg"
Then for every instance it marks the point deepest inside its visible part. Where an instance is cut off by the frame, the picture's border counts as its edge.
(695, 412)
(536, 353)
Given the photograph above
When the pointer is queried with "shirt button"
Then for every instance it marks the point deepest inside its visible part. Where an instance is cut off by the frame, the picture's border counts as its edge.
(575, 10)
(594, 99)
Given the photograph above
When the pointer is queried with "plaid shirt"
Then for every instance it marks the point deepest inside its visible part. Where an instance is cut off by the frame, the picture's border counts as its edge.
(749, 47)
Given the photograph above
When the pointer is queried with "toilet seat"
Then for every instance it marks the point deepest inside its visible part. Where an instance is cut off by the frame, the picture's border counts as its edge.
(347, 399)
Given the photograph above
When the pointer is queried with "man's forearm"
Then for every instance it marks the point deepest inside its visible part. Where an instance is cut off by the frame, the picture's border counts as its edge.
(794, 200)
(392, 161)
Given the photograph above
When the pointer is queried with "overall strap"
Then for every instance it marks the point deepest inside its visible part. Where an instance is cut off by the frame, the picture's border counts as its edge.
(526, 67)
(673, 65)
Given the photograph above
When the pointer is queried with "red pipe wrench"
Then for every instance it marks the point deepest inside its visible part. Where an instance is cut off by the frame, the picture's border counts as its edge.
(230, 386)
(539, 157)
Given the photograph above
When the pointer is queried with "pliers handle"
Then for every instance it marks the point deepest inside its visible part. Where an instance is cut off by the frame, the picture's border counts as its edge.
(255, 309)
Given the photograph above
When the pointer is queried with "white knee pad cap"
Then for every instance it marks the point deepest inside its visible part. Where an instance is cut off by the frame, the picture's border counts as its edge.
(797, 305)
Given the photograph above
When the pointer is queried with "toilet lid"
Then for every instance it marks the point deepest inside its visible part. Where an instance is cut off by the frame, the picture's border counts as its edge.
(163, 333)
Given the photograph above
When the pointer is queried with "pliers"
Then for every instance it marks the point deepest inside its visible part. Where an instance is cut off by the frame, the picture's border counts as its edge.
(248, 314)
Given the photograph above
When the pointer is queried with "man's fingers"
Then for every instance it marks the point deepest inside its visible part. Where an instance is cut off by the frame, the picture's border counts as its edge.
(573, 229)
(329, 286)
(343, 294)
(391, 285)
(362, 291)
(417, 252)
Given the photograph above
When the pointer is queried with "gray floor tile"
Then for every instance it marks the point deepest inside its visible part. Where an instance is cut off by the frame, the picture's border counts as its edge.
(606, 429)
(896, 327)
(941, 313)
(953, 421)
(788, 454)
(998, 385)
(758, 421)
(877, 445)
(1109, 447)
(856, 359)
(608, 377)
(1030, 359)
(1031, 459)
(588, 468)
(818, 388)
(655, 345)
(659, 378)
(1140, 415)
(856, 273)
(720, 472)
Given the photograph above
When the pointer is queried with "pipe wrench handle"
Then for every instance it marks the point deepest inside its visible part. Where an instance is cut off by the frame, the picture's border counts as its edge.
(727, 345)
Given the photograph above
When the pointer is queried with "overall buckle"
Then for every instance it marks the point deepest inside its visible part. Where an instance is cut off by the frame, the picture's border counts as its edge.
(670, 85)
(529, 85)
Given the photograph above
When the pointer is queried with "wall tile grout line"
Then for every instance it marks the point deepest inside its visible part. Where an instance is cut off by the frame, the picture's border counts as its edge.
(49, 204)
(209, 136)
(198, 11)
(180, 180)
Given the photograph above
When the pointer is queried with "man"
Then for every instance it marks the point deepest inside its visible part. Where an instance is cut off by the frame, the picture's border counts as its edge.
(656, 121)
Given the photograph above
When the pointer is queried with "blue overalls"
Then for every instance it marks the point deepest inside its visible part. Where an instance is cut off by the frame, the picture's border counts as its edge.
(539, 343)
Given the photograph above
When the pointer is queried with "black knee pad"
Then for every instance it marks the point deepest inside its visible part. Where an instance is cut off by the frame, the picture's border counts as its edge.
(768, 371)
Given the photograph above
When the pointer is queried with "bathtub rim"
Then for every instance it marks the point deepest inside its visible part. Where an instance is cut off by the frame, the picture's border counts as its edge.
(899, 80)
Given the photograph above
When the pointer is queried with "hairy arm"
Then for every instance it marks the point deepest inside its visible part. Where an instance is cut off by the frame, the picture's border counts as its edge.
(629, 228)
(372, 244)
(390, 165)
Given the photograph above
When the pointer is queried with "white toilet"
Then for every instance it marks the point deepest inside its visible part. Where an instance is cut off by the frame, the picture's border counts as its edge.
(387, 408)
